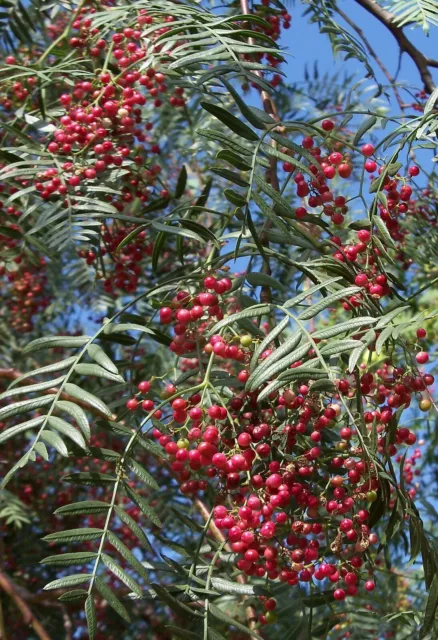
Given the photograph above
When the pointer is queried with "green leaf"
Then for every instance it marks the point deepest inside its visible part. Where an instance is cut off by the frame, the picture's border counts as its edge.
(88, 398)
(135, 528)
(364, 127)
(41, 449)
(339, 346)
(83, 508)
(97, 371)
(54, 441)
(128, 555)
(32, 388)
(133, 234)
(234, 197)
(383, 229)
(90, 616)
(9, 232)
(68, 581)
(78, 414)
(24, 406)
(356, 354)
(252, 312)
(200, 229)
(321, 386)
(64, 427)
(74, 535)
(18, 465)
(280, 366)
(178, 231)
(245, 110)
(89, 478)
(65, 342)
(181, 183)
(272, 335)
(142, 474)
(226, 586)
(327, 301)
(230, 121)
(342, 327)
(224, 617)
(292, 302)
(219, 136)
(19, 428)
(50, 368)
(112, 600)
(175, 605)
(178, 632)
(298, 373)
(232, 176)
(263, 280)
(158, 250)
(415, 536)
(188, 522)
(121, 574)
(393, 168)
(98, 355)
(68, 559)
(73, 596)
(233, 158)
(142, 505)
(386, 333)
(288, 345)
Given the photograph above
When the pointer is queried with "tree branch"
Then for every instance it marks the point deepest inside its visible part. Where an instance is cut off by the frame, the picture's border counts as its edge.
(217, 534)
(419, 59)
(271, 110)
(26, 613)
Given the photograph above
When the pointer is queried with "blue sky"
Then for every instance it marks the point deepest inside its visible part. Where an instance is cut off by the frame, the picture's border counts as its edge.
(306, 45)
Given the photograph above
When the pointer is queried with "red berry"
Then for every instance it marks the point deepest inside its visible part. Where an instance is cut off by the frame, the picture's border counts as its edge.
(370, 166)
(361, 280)
(367, 150)
(344, 170)
(166, 315)
(364, 236)
(144, 386)
(422, 357)
(327, 125)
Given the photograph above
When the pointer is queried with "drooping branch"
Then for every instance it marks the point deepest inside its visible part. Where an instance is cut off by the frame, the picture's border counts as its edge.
(406, 46)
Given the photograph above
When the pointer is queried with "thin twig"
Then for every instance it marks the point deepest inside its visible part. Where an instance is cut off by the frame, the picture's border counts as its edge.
(374, 55)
